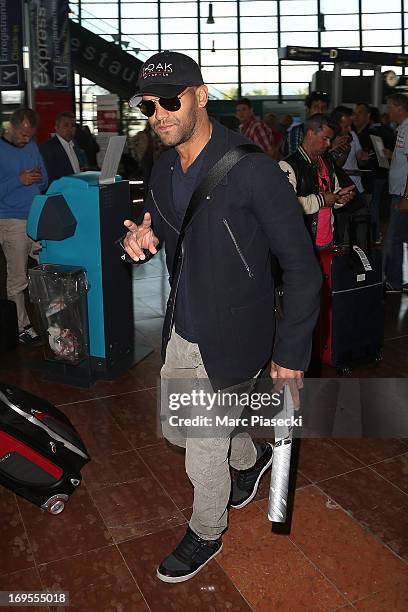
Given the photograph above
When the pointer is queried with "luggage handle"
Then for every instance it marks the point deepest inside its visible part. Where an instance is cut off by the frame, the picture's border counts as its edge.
(354, 222)
(32, 419)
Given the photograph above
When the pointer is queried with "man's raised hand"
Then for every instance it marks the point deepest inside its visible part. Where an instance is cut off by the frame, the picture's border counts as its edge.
(140, 237)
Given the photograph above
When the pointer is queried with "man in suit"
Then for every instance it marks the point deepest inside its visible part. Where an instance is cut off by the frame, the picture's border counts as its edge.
(60, 153)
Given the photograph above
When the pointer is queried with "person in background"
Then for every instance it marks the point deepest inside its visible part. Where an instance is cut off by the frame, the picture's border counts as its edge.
(379, 191)
(361, 123)
(397, 234)
(22, 177)
(313, 178)
(363, 120)
(285, 121)
(386, 122)
(88, 144)
(143, 146)
(346, 155)
(385, 119)
(349, 154)
(224, 268)
(272, 122)
(60, 153)
(253, 128)
(315, 102)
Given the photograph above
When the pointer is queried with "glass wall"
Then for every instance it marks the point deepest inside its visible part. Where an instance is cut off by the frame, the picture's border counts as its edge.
(238, 51)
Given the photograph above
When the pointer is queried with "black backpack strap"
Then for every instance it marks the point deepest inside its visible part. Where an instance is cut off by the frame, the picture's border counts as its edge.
(214, 176)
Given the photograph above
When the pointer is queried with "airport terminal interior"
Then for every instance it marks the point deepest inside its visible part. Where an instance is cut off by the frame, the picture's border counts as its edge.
(345, 544)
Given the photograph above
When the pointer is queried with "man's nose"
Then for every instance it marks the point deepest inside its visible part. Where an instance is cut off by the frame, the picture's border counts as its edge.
(160, 112)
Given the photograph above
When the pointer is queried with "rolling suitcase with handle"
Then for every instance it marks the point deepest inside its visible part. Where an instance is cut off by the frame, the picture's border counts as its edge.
(41, 453)
(350, 328)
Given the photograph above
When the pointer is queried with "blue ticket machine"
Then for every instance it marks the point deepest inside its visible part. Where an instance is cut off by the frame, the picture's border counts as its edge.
(77, 222)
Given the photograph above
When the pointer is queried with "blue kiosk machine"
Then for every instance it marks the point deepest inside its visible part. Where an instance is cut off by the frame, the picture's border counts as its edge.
(77, 222)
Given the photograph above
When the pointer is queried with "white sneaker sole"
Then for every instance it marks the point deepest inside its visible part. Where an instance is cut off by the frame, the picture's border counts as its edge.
(255, 490)
(173, 580)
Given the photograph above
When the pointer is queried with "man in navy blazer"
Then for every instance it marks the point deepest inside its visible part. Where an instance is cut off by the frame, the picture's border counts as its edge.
(60, 153)
(219, 326)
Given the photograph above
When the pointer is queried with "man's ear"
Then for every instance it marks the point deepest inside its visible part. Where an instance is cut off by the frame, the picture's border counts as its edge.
(202, 95)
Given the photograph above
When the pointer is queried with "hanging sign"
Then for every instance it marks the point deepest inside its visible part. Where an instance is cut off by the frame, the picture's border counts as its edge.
(11, 43)
(50, 49)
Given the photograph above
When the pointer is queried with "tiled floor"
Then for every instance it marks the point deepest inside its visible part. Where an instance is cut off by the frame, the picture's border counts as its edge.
(348, 546)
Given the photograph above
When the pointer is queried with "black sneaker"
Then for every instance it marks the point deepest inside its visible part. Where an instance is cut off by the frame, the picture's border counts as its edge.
(29, 336)
(188, 558)
(245, 486)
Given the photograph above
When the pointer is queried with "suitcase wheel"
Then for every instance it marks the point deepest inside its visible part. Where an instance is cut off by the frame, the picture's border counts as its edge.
(56, 504)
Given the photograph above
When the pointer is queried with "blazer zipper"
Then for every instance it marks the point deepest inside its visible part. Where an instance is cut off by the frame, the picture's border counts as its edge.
(161, 214)
(248, 269)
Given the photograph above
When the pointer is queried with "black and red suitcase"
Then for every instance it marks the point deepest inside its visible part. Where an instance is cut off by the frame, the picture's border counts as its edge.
(41, 453)
(350, 329)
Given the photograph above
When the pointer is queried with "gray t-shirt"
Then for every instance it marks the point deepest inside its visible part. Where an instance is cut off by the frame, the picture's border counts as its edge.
(399, 162)
(183, 184)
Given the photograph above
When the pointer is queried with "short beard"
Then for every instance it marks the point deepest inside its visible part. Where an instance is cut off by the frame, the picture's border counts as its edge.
(185, 130)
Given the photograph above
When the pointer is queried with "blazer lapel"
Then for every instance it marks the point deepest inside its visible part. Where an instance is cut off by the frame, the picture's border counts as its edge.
(65, 161)
(162, 195)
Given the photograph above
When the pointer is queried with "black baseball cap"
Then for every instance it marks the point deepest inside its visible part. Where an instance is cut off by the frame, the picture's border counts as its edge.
(166, 75)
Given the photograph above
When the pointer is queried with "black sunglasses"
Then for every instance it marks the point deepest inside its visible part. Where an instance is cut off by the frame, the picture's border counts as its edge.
(148, 107)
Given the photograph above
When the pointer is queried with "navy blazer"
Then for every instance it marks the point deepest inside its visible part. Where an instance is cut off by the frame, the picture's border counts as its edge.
(250, 215)
(56, 160)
